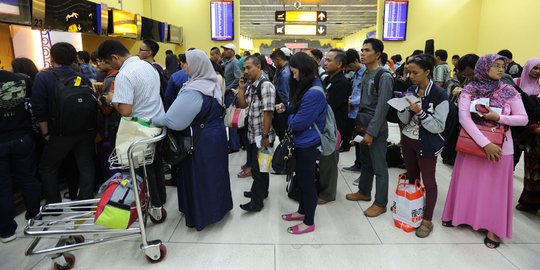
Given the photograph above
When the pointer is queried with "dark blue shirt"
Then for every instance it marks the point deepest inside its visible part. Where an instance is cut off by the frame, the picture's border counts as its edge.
(43, 90)
(176, 82)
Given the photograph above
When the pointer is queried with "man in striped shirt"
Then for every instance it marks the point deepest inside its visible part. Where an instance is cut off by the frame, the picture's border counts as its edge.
(136, 93)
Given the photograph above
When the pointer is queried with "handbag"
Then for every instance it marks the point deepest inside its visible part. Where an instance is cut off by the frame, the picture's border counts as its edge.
(235, 117)
(178, 146)
(283, 161)
(467, 145)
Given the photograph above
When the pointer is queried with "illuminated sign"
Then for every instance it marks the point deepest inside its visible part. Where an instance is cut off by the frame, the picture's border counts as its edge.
(300, 29)
(15, 11)
(222, 20)
(395, 20)
(300, 16)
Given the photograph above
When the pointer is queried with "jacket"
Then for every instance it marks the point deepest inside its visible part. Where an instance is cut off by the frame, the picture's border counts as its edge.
(312, 110)
(338, 91)
(432, 118)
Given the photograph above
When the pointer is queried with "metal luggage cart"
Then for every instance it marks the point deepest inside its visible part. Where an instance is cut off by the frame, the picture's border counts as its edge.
(72, 220)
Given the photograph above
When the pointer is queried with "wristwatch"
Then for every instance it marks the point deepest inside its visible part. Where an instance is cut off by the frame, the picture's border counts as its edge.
(265, 136)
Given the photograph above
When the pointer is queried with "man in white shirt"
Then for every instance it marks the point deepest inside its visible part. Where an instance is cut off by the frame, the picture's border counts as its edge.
(136, 88)
(137, 93)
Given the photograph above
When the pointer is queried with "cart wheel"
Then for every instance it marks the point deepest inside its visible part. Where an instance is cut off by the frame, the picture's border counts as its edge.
(163, 217)
(162, 254)
(70, 260)
(78, 239)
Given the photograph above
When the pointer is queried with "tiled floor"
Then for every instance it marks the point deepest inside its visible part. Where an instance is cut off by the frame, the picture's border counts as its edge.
(344, 239)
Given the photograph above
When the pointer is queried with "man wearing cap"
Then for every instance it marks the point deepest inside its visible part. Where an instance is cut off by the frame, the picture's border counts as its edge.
(230, 66)
(232, 74)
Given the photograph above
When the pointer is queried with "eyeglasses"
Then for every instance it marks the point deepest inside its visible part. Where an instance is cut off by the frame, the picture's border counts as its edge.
(143, 50)
(497, 66)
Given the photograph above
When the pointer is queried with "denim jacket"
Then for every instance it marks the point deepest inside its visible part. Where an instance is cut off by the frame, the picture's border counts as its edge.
(356, 94)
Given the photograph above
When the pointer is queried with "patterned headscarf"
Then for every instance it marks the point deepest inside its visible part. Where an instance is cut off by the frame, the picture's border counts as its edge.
(528, 84)
(483, 86)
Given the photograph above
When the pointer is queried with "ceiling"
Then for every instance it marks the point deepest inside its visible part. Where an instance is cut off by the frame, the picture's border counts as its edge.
(345, 17)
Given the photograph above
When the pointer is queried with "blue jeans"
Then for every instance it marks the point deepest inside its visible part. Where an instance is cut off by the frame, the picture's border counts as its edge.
(17, 159)
(373, 159)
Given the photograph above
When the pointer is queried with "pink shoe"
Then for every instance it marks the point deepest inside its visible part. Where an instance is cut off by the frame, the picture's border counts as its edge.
(289, 217)
(294, 229)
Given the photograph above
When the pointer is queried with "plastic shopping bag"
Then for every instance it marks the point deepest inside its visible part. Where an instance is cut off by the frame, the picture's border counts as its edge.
(132, 129)
(264, 157)
(408, 206)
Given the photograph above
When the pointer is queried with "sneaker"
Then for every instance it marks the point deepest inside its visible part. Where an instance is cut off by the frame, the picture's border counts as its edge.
(350, 169)
(6, 239)
(356, 181)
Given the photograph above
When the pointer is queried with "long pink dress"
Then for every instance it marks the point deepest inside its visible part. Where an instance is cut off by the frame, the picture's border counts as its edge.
(481, 191)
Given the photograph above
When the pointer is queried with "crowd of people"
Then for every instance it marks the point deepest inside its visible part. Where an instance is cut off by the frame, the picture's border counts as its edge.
(46, 138)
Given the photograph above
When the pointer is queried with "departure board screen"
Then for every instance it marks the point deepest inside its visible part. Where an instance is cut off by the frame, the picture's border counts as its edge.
(222, 20)
(395, 20)
(15, 11)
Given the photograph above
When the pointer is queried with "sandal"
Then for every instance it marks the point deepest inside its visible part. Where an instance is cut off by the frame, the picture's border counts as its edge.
(447, 224)
(492, 244)
(244, 173)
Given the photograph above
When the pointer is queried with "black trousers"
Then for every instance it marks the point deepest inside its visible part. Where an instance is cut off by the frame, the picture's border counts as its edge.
(156, 178)
(259, 188)
(56, 150)
(306, 159)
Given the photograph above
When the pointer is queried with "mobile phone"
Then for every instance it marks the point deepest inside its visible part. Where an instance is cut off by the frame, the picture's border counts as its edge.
(481, 108)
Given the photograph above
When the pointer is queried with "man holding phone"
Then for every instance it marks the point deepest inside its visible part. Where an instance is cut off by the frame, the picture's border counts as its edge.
(260, 98)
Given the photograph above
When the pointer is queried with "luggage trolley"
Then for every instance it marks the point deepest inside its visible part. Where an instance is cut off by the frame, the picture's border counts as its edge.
(77, 217)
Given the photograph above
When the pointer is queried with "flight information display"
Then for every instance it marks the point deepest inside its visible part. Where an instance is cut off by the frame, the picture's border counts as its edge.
(222, 20)
(395, 20)
(15, 11)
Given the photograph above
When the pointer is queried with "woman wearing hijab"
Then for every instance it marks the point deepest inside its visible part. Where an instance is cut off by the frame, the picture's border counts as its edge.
(530, 197)
(481, 189)
(204, 190)
(529, 77)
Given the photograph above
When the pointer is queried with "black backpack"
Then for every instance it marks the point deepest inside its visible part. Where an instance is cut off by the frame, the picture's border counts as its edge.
(73, 108)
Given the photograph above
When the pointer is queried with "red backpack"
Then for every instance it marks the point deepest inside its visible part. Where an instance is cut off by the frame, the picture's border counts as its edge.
(116, 208)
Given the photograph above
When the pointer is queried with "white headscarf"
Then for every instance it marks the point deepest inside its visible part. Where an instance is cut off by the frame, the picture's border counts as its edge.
(202, 76)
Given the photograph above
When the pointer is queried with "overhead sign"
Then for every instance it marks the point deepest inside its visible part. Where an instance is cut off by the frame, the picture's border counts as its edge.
(300, 29)
(300, 16)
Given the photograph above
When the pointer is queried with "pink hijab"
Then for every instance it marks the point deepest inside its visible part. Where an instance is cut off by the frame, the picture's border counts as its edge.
(529, 85)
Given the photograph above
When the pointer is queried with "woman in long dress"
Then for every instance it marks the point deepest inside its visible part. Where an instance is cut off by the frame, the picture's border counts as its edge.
(530, 197)
(204, 190)
(481, 189)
